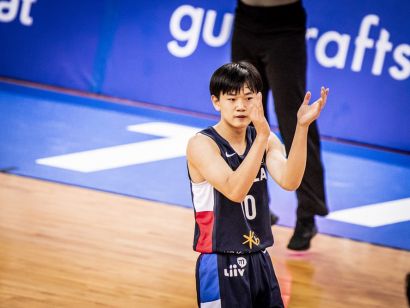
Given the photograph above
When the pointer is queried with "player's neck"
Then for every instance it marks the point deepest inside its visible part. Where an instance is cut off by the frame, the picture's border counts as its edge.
(235, 136)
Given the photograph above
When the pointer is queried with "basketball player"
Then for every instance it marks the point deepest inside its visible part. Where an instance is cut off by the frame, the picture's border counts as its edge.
(228, 165)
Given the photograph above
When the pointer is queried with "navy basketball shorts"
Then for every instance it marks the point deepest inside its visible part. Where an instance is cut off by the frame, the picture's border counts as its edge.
(237, 280)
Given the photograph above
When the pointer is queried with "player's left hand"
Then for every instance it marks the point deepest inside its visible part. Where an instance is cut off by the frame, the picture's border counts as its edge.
(309, 113)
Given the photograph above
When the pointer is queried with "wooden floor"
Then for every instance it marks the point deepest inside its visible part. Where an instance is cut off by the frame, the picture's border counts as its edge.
(63, 246)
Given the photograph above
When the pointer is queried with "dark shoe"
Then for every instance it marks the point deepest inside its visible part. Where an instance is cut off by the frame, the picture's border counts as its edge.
(302, 236)
(273, 219)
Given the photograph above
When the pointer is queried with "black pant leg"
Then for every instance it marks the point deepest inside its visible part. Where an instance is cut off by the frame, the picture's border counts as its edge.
(243, 49)
(285, 62)
(280, 56)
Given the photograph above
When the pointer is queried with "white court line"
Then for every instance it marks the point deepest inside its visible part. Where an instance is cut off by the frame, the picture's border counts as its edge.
(172, 146)
(213, 304)
(375, 215)
(164, 129)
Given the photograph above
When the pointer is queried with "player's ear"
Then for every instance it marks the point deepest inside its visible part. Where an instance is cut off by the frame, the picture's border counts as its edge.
(216, 102)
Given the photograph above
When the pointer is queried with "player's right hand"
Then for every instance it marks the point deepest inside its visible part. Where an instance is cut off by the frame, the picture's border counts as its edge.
(257, 116)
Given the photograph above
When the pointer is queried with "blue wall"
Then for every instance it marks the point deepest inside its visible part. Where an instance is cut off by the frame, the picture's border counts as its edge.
(163, 52)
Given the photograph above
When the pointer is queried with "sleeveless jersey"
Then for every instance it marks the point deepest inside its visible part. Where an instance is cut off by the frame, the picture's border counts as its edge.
(225, 226)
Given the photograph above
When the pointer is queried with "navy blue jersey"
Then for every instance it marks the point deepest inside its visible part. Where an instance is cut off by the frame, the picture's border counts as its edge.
(225, 226)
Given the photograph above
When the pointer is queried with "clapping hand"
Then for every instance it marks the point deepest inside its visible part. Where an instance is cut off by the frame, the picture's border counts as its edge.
(309, 113)
(257, 116)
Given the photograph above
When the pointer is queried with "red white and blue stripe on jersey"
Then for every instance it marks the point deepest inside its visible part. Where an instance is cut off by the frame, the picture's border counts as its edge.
(203, 201)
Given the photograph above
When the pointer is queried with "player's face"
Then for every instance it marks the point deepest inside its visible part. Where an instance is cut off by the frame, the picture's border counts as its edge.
(235, 107)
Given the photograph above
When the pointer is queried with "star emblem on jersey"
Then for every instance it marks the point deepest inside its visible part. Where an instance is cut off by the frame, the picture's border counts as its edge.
(251, 239)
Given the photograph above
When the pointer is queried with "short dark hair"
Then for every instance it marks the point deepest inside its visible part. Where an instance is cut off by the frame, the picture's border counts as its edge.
(231, 77)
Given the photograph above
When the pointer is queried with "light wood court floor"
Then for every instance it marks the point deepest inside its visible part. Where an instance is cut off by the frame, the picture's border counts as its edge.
(63, 246)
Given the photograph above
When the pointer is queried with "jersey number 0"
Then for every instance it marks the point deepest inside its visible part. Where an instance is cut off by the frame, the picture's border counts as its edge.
(249, 207)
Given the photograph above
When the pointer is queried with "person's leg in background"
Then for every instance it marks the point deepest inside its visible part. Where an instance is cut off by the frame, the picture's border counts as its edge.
(286, 70)
(273, 39)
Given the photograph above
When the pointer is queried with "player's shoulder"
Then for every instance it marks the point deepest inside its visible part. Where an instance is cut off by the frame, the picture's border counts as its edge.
(198, 139)
(200, 142)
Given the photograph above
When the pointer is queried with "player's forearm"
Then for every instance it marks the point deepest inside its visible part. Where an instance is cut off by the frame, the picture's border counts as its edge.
(240, 181)
(296, 161)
